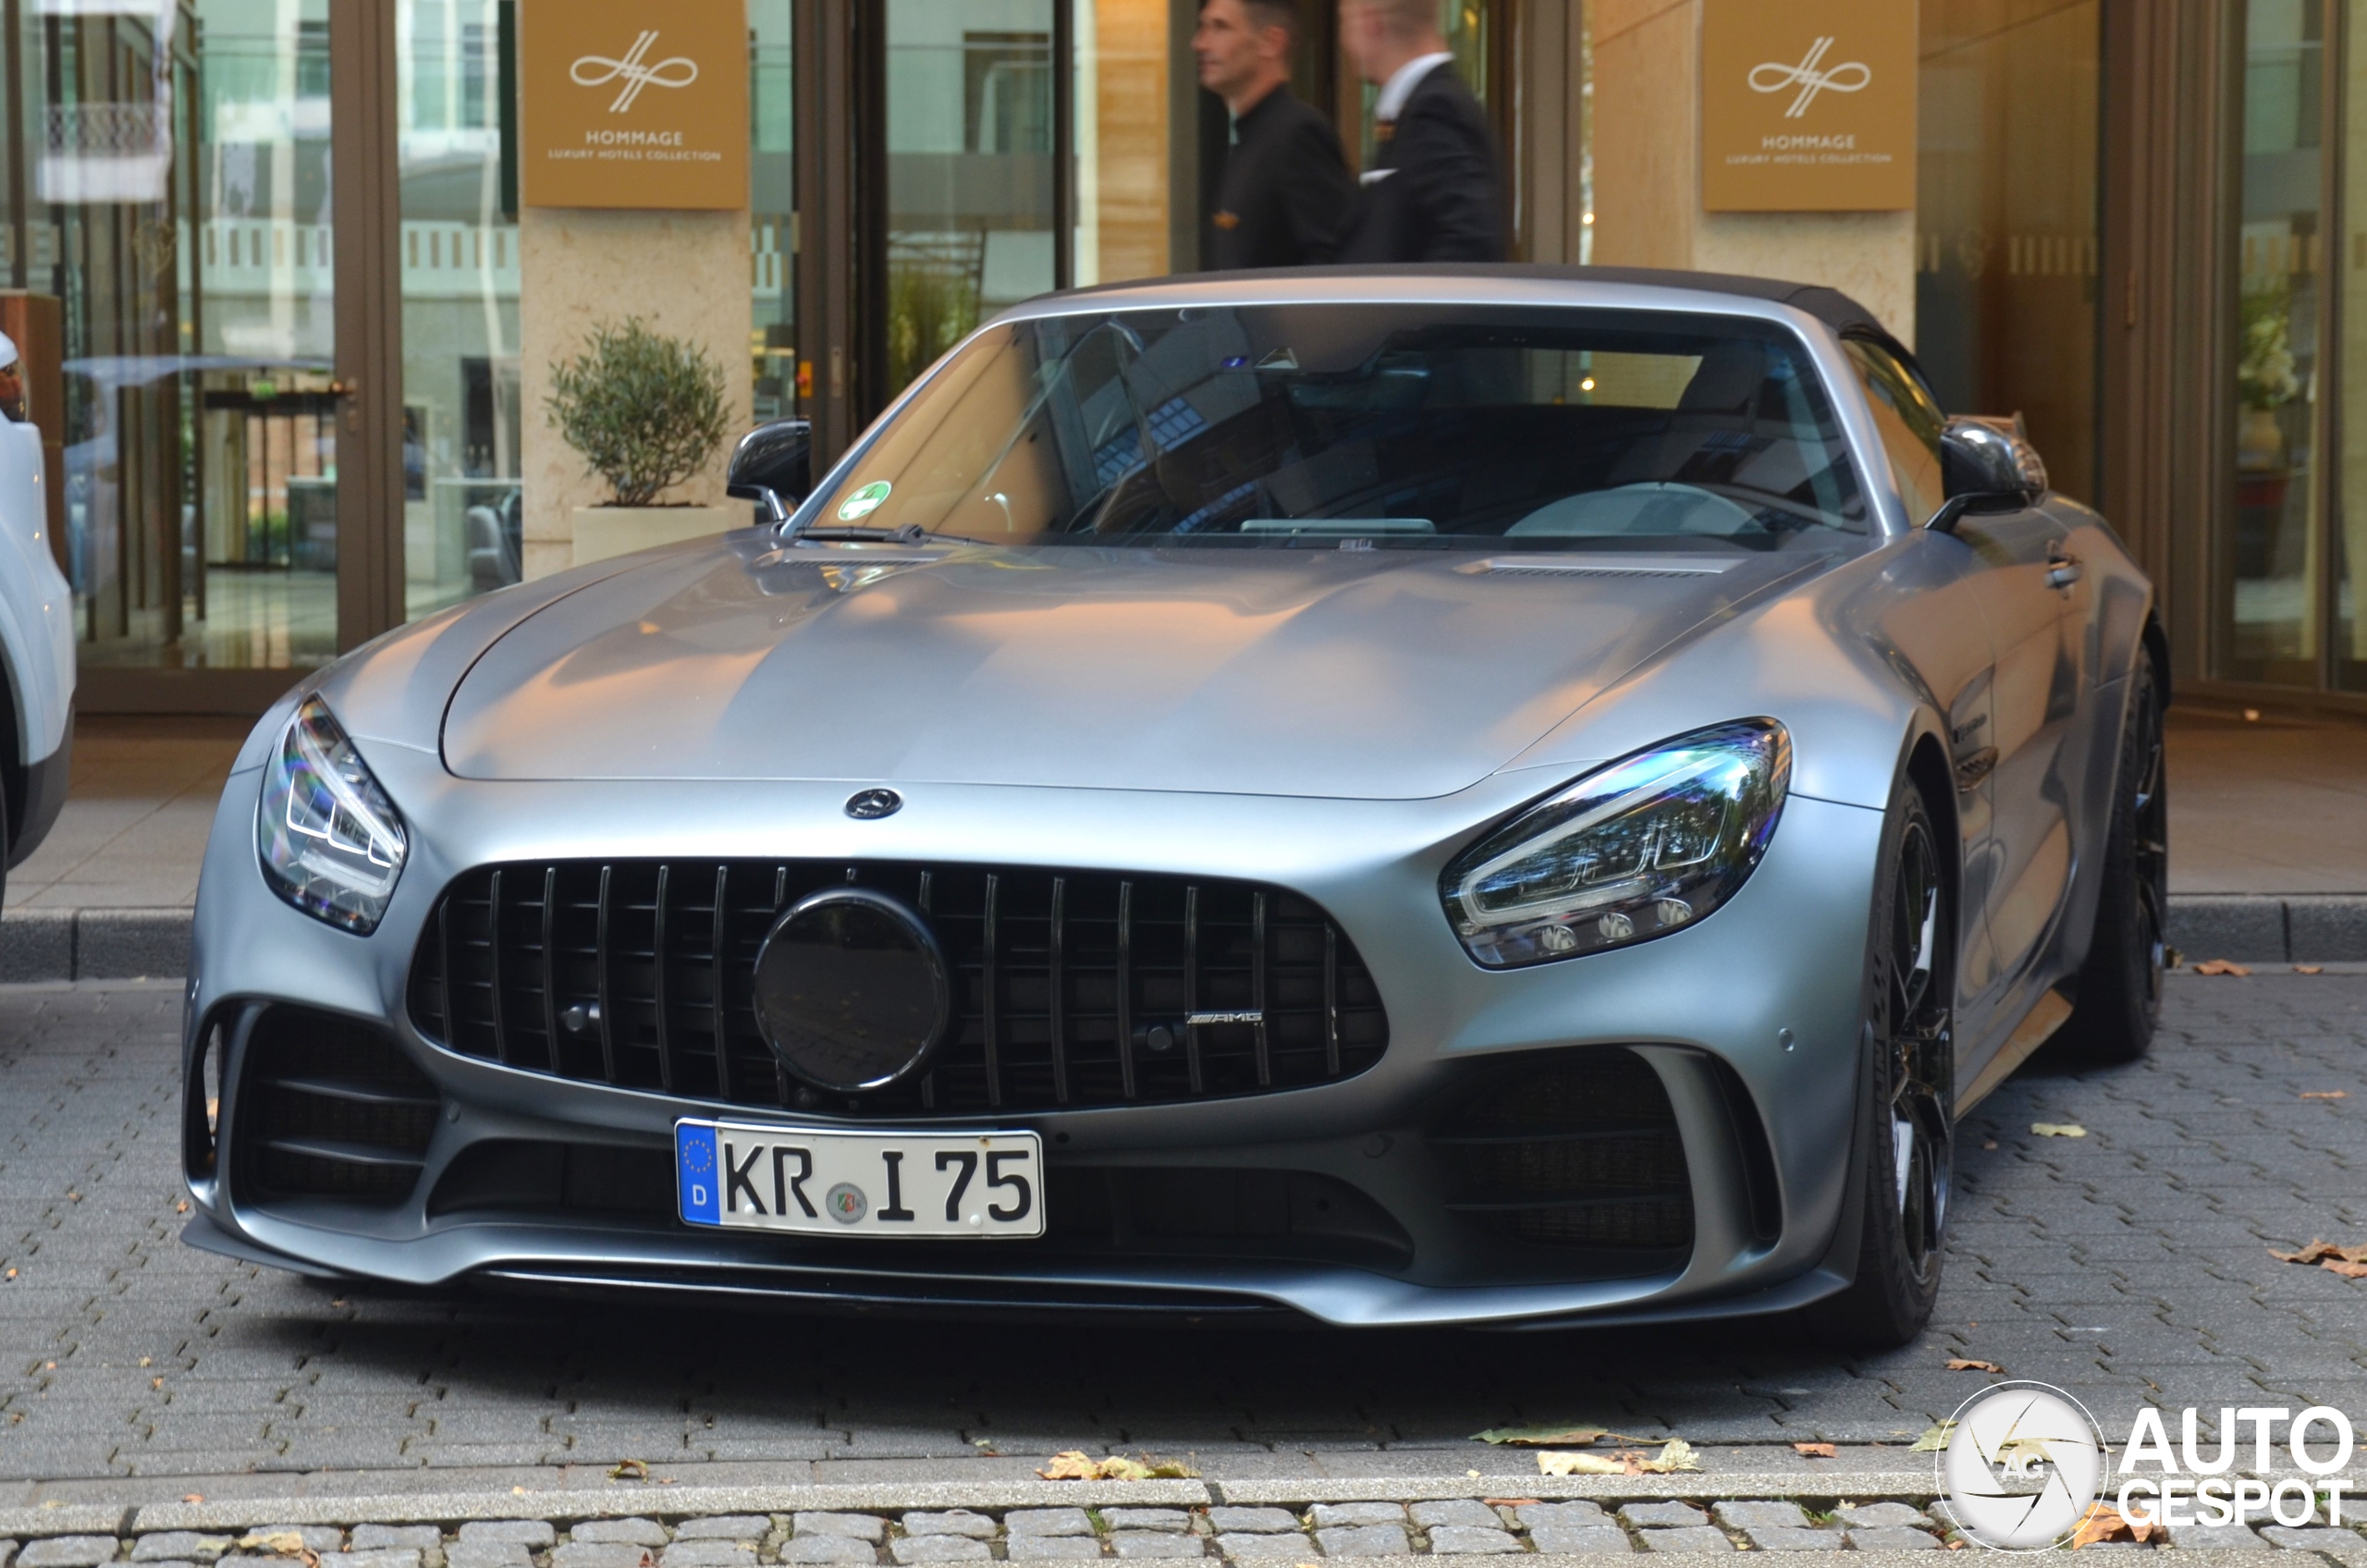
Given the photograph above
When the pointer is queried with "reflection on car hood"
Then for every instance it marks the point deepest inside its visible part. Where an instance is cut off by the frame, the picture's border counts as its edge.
(1371, 674)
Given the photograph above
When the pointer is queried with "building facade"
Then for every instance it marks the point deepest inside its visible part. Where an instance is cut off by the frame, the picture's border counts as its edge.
(301, 326)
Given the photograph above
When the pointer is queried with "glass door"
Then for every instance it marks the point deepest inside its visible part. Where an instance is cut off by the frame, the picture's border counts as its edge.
(964, 199)
(456, 254)
(174, 157)
(2271, 555)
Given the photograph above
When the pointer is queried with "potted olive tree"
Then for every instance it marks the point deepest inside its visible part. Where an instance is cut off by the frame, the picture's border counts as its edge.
(646, 413)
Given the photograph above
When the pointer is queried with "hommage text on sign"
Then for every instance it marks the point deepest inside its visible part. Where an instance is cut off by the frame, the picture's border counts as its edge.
(632, 104)
(1808, 105)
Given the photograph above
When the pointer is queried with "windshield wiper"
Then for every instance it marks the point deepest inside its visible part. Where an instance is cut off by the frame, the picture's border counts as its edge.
(910, 534)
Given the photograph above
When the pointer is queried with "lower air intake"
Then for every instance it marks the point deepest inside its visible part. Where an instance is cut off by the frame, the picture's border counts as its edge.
(1577, 1148)
(331, 1109)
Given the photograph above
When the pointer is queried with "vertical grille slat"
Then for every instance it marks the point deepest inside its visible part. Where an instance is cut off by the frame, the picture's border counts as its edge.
(1331, 999)
(602, 955)
(1258, 991)
(666, 1078)
(1125, 985)
(1055, 966)
(493, 964)
(550, 966)
(1072, 989)
(1192, 985)
(721, 1015)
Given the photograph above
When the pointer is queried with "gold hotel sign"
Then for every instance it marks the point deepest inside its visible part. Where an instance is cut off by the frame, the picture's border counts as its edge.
(1808, 105)
(632, 102)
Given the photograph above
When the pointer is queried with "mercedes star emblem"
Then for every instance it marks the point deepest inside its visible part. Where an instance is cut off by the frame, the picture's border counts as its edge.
(870, 804)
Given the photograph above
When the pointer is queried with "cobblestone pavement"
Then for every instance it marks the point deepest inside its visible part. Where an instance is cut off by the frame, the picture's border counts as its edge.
(2125, 1266)
(1441, 1527)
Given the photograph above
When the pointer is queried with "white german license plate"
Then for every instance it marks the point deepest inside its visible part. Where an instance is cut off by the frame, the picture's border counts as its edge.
(750, 1177)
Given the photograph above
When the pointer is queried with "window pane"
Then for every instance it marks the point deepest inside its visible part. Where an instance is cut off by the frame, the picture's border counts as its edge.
(969, 169)
(2006, 265)
(2350, 544)
(176, 171)
(2269, 588)
(772, 218)
(459, 254)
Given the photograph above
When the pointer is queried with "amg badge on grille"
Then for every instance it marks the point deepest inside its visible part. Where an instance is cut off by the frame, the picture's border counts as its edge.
(870, 804)
(852, 991)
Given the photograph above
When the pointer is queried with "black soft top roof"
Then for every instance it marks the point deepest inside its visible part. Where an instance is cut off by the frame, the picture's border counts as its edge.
(1830, 306)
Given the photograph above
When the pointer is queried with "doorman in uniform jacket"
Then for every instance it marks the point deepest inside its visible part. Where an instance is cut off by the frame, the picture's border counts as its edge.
(1435, 192)
(1286, 199)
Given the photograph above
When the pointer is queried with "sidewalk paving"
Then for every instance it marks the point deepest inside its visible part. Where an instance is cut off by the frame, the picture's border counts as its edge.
(2268, 844)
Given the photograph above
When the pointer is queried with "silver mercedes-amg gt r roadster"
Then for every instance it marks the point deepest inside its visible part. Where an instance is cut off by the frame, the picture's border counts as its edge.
(1500, 796)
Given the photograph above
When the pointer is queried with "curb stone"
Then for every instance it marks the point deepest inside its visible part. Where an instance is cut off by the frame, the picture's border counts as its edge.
(46, 945)
(2270, 927)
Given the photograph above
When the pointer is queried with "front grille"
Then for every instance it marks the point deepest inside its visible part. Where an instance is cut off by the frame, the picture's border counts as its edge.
(639, 974)
(332, 1108)
(1577, 1148)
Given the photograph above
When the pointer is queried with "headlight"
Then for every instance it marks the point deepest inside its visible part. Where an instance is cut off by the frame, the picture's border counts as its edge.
(332, 844)
(1649, 844)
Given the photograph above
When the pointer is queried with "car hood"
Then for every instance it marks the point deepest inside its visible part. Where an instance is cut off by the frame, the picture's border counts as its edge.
(1367, 674)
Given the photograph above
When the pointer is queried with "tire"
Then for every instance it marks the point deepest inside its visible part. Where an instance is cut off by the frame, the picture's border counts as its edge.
(1906, 1141)
(2120, 986)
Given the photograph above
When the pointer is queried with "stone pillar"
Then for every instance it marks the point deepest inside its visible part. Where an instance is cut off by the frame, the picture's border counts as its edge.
(684, 274)
(1647, 178)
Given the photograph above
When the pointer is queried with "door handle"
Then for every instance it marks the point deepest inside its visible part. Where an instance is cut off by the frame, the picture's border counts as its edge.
(2063, 570)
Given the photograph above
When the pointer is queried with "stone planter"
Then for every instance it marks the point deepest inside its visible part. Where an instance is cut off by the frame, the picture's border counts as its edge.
(602, 531)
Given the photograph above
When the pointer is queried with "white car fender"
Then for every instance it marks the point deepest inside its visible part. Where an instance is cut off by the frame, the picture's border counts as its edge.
(36, 602)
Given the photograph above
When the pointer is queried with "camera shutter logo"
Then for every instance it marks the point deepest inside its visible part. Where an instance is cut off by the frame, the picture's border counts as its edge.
(1810, 76)
(598, 70)
(2022, 1467)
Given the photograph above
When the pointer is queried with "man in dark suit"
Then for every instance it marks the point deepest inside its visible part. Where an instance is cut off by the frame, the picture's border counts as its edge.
(1435, 193)
(1286, 199)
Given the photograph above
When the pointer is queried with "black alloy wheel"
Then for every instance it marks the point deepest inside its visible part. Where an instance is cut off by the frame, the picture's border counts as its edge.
(1909, 1047)
(2120, 985)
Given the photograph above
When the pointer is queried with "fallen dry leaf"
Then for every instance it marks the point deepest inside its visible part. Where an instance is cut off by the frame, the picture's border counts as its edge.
(2221, 966)
(630, 1470)
(1815, 1451)
(12, 1273)
(1543, 1437)
(1076, 1465)
(1933, 1438)
(2309, 969)
(1509, 1501)
(2058, 1130)
(282, 1543)
(1675, 1455)
(1966, 1364)
(2105, 1523)
(181, 1207)
(2348, 1262)
(2325, 1094)
(192, 1497)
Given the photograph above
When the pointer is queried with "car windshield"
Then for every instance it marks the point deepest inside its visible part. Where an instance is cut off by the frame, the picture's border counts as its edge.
(1367, 426)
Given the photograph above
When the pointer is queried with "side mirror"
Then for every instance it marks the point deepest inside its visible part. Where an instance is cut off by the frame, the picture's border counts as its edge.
(773, 465)
(1986, 465)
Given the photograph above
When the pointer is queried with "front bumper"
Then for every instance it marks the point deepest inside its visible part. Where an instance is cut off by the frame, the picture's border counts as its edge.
(1750, 1022)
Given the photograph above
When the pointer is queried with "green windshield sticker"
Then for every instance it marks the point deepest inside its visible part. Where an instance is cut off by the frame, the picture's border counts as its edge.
(864, 502)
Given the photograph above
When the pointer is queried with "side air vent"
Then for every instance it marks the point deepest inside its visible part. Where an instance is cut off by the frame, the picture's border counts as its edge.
(1575, 1148)
(330, 1108)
